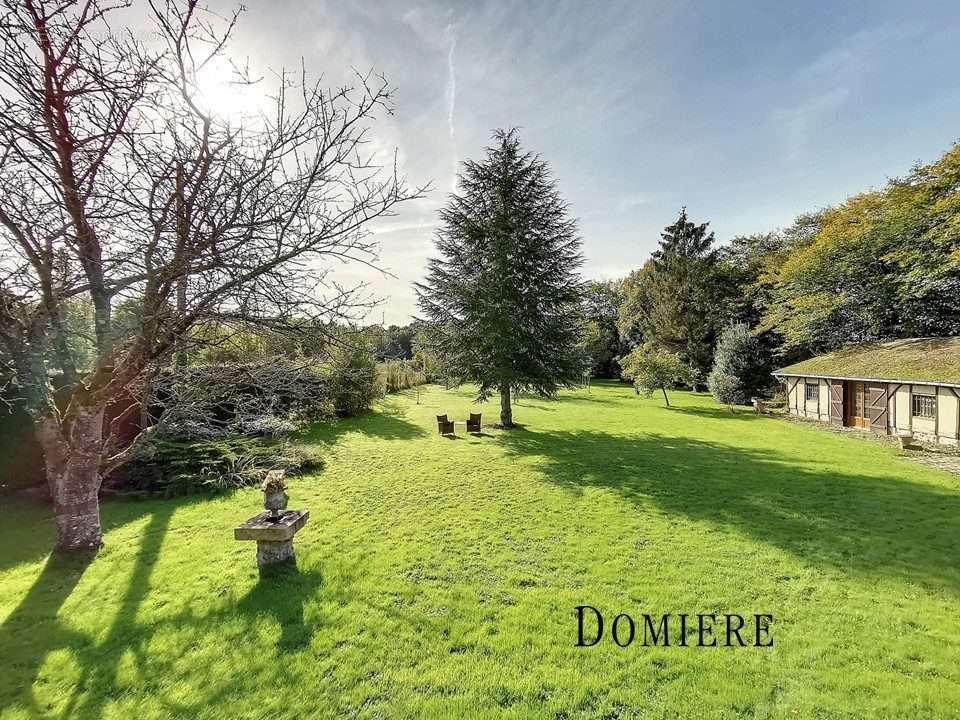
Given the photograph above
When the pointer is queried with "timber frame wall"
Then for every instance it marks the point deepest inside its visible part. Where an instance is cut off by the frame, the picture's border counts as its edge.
(889, 405)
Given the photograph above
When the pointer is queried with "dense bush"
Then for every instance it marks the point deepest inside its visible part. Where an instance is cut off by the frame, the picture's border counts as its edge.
(352, 378)
(739, 367)
(395, 375)
(210, 401)
(215, 427)
(178, 467)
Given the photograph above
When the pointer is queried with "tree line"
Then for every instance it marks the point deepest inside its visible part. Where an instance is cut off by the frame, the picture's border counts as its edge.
(883, 264)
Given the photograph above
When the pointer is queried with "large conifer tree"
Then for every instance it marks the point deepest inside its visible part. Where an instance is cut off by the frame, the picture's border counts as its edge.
(678, 300)
(503, 296)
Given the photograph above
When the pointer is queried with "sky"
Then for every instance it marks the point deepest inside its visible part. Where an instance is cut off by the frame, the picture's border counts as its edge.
(747, 113)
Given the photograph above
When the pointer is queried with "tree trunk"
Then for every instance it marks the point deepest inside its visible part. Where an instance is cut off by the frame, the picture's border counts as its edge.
(665, 398)
(73, 473)
(506, 411)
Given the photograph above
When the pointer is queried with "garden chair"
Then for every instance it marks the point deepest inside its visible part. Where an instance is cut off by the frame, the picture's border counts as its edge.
(473, 424)
(444, 426)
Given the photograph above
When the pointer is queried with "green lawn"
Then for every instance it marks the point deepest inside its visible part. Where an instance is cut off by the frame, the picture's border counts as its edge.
(437, 577)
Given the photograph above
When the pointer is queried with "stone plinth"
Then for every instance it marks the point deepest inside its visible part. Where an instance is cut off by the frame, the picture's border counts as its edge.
(274, 534)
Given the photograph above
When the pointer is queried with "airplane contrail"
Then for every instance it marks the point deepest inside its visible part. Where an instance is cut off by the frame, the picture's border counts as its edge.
(452, 96)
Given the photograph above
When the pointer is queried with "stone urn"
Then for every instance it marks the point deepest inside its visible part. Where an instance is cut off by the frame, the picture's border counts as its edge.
(275, 496)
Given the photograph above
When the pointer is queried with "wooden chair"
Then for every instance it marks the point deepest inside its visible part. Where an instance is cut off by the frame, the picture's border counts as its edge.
(473, 424)
(444, 426)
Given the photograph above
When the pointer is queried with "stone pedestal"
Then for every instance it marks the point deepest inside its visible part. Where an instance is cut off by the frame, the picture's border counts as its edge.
(274, 534)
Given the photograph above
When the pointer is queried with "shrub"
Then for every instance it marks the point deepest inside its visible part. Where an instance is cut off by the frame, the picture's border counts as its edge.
(352, 378)
(211, 401)
(725, 388)
(654, 368)
(178, 467)
(394, 375)
(739, 367)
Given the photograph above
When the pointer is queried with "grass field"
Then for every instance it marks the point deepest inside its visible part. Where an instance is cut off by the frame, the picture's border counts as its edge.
(438, 577)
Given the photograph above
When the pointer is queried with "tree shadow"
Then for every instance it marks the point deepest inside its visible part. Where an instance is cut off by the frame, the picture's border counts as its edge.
(387, 422)
(868, 524)
(98, 674)
(34, 629)
(596, 399)
(31, 632)
(716, 413)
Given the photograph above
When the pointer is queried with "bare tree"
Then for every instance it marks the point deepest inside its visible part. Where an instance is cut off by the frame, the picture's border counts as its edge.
(119, 189)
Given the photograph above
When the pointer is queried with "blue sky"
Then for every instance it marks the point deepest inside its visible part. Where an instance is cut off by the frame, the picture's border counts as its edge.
(748, 113)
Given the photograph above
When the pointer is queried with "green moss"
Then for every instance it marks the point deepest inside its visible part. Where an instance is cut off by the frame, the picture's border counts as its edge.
(919, 360)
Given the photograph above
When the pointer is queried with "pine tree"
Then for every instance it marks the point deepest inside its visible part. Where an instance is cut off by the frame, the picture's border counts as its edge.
(680, 299)
(504, 294)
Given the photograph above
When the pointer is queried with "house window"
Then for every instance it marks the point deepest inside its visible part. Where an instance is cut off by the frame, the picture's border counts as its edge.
(812, 392)
(924, 406)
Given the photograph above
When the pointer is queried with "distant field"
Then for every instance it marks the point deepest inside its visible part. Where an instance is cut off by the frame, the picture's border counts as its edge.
(438, 577)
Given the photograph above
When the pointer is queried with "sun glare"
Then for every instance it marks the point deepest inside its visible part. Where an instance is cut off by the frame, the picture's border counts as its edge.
(222, 91)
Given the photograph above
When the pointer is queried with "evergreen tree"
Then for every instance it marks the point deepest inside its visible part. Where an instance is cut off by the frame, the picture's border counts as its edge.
(679, 299)
(504, 294)
(601, 338)
(740, 369)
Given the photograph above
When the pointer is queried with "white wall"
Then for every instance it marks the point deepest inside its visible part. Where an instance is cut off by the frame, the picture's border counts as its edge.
(943, 429)
(797, 403)
(947, 416)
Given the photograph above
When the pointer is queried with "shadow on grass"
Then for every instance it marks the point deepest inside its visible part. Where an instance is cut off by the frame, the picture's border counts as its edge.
(281, 594)
(33, 630)
(872, 525)
(716, 413)
(386, 422)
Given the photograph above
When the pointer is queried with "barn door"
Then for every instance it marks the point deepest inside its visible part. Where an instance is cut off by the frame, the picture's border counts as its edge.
(877, 407)
(836, 402)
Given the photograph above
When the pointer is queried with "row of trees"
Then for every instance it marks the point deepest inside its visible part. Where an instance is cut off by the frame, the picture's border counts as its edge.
(883, 264)
(507, 310)
(503, 294)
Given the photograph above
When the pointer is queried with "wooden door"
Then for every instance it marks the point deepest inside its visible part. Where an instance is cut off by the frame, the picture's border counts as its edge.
(836, 402)
(857, 405)
(877, 407)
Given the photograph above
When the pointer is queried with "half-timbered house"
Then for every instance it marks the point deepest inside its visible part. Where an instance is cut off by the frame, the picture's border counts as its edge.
(895, 387)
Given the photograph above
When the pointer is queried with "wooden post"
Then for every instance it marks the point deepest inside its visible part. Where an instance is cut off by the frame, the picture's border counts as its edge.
(910, 409)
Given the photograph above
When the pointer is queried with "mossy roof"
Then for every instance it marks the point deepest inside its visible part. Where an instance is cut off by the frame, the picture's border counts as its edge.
(933, 360)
